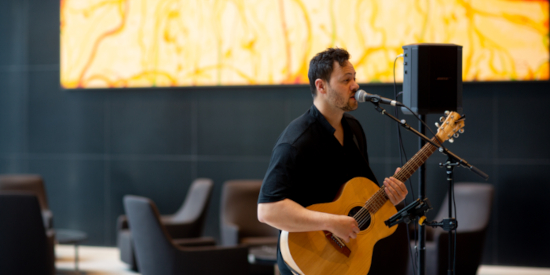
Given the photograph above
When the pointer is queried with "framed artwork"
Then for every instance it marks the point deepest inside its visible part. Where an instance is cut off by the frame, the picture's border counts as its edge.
(172, 43)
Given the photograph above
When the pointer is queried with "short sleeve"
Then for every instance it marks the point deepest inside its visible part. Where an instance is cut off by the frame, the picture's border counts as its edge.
(277, 184)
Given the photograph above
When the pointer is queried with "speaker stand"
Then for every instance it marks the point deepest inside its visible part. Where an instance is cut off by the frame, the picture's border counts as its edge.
(421, 268)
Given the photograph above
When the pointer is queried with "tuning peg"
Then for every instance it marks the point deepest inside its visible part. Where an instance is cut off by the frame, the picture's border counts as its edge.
(455, 135)
(441, 119)
(447, 113)
(437, 124)
(461, 130)
(451, 140)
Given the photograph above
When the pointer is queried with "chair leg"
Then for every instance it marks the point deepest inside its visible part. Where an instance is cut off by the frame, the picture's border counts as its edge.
(134, 266)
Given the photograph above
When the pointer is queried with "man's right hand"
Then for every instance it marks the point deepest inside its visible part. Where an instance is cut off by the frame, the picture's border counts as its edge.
(344, 227)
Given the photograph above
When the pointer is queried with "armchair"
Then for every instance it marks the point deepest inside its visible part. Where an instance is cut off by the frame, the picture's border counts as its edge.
(186, 223)
(33, 184)
(26, 247)
(157, 254)
(238, 215)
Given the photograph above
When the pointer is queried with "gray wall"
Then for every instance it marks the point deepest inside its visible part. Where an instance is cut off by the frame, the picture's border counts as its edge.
(93, 147)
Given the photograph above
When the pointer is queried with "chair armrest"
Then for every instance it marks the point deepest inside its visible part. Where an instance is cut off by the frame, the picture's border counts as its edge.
(229, 234)
(122, 222)
(182, 230)
(202, 241)
(47, 218)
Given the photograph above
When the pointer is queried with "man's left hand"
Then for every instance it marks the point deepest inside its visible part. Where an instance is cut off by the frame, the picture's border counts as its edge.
(395, 189)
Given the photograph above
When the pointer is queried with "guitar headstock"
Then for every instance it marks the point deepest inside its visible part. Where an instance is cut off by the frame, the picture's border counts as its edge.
(451, 126)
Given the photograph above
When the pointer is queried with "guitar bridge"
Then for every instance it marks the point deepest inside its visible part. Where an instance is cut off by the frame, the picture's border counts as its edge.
(337, 243)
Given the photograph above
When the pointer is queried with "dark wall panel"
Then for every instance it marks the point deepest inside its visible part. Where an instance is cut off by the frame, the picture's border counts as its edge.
(75, 189)
(150, 123)
(63, 121)
(13, 112)
(522, 128)
(521, 202)
(13, 26)
(240, 122)
(10, 164)
(43, 32)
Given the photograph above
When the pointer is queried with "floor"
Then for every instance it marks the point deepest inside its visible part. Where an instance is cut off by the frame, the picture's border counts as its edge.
(95, 260)
(92, 260)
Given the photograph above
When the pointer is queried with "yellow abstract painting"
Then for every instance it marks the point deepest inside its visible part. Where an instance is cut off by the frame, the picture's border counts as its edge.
(168, 43)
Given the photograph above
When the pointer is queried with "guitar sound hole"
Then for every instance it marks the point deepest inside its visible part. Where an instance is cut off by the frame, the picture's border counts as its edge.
(363, 219)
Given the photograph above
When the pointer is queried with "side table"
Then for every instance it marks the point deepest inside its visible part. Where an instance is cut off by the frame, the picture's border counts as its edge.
(70, 236)
(265, 254)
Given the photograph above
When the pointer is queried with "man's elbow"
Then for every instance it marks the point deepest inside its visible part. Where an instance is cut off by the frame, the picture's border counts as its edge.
(263, 213)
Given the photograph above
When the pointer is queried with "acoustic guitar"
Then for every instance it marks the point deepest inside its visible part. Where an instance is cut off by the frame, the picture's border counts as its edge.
(321, 252)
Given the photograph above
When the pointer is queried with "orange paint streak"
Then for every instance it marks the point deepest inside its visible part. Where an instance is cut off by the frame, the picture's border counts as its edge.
(288, 49)
(101, 38)
(203, 70)
(302, 71)
(124, 82)
(96, 77)
(62, 15)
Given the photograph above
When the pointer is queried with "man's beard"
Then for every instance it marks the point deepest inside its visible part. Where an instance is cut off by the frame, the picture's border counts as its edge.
(341, 102)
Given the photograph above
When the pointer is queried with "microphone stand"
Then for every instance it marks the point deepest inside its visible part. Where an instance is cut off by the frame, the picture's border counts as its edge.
(422, 204)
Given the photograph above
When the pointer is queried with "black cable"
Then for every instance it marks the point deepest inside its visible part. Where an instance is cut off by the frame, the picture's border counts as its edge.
(456, 235)
(416, 115)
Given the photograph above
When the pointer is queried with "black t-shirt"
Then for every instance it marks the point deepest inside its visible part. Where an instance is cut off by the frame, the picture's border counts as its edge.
(308, 165)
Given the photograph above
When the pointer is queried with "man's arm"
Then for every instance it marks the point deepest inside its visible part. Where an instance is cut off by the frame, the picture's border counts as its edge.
(289, 216)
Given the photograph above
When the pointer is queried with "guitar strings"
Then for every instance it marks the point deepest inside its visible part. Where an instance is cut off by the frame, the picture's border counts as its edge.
(363, 216)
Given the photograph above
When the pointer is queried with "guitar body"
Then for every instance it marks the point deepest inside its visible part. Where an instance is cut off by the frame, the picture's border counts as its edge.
(313, 253)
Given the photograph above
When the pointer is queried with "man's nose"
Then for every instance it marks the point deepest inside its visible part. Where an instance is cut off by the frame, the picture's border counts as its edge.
(355, 86)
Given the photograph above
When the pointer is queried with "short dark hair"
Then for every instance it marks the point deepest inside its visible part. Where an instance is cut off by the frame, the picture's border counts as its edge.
(322, 65)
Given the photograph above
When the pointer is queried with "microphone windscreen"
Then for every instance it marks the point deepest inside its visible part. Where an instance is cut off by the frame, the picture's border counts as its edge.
(360, 96)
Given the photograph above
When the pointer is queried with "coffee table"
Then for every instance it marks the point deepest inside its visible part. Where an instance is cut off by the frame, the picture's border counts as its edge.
(265, 254)
(71, 236)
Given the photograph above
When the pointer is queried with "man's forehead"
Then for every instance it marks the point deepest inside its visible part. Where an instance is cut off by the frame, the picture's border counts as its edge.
(346, 69)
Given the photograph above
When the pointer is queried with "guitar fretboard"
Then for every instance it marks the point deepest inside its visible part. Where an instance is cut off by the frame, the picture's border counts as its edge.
(380, 197)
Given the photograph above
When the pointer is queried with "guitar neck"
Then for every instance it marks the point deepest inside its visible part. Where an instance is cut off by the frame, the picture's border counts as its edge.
(380, 197)
(416, 161)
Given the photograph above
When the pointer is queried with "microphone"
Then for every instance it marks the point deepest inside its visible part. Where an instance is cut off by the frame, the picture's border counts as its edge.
(362, 96)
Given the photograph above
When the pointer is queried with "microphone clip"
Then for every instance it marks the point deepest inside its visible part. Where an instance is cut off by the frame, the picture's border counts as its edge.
(375, 99)
(447, 224)
(410, 212)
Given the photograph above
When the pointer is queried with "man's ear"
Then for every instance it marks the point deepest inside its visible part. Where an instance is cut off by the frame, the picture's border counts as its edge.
(320, 85)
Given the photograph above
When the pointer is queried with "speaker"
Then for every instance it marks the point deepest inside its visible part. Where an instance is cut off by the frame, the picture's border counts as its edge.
(432, 78)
